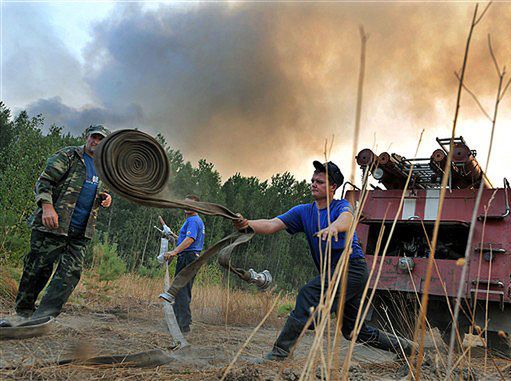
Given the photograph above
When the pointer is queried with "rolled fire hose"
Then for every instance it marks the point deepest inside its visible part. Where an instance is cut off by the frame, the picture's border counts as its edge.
(135, 166)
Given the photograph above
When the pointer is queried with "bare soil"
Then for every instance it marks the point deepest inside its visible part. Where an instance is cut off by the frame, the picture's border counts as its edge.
(85, 332)
(132, 325)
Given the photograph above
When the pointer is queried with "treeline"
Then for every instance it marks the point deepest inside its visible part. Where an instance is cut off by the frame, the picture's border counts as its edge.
(24, 148)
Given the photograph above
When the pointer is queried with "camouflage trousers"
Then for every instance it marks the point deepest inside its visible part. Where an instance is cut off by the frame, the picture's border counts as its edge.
(46, 250)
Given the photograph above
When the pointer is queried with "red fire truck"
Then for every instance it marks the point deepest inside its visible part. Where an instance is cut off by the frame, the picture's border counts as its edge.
(487, 288)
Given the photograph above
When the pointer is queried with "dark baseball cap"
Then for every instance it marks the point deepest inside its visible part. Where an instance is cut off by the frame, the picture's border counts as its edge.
(97, 129)
(334, 173)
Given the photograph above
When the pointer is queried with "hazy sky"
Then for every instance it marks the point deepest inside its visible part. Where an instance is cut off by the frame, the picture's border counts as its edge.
(256, 88)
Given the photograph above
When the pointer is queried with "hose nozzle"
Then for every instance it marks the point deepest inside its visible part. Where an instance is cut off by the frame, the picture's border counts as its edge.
(262, 280)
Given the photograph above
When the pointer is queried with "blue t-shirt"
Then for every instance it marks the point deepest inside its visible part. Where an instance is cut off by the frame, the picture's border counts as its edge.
(193, 228)
(87, 195)
(304, 218)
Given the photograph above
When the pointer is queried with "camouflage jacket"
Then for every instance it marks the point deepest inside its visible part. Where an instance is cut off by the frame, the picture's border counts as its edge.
(60, 184)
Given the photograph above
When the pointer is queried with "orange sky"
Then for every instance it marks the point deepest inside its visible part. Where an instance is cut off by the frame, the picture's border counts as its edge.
(412, 53)
(257, 88)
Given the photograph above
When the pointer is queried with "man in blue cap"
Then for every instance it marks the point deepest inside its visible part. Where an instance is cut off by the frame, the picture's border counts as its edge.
(307, 218)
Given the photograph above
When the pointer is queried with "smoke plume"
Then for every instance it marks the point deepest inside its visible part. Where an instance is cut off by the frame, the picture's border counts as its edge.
(257, 88)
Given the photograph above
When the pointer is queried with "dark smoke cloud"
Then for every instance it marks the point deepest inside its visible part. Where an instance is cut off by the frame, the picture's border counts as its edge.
(257, 88)
(76, 120)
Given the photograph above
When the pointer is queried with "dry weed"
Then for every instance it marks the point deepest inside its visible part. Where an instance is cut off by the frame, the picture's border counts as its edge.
(8, 287)
(209, 303)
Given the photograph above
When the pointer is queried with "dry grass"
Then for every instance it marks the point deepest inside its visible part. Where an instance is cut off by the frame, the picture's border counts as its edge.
(130, 322)
(8, 287)
(123, 317)
(83, 372)
(244, 308)
(210, 304)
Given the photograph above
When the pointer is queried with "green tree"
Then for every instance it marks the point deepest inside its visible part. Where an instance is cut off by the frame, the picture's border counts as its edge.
(24, 150)
(109, 265)
(129, 239)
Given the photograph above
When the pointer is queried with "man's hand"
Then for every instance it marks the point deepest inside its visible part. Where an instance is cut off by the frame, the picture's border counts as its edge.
(340, 225)
(169, 255)
(241, 223)
(107, 199)
(331, 231)
(50, 217)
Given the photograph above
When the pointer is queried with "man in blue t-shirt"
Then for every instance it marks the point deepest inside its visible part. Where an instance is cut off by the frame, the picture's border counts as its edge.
(189, 245)
(313, 220)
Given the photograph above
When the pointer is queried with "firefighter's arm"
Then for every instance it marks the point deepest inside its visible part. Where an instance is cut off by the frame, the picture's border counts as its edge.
(56, 167)
(340, 225)
(260, 226)
(182, 247)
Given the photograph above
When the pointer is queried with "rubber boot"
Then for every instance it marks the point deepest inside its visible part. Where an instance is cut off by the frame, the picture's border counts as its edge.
(42, 313)
(286, 340)
(392, 343)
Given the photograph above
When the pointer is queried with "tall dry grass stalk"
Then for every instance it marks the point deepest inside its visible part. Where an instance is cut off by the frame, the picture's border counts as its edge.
(358, 213)
(334, 359)
(419, 334)
(364, 295)
(361, 317)
(501, 91)
(486, 310)
(478, 278)
(360, 96)
(320, 314)
(473, 313)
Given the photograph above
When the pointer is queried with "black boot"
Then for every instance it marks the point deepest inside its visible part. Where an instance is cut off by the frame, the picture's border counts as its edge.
(392, 343)
(286, 340)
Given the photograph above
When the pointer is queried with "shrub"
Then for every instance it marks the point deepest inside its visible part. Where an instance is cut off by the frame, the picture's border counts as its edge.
(109, 265)
(154, 269)
(209, 274)
(285, 309)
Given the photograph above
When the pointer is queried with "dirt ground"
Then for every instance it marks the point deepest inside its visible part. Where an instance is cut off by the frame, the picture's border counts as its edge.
(127, 318)
(88, 331)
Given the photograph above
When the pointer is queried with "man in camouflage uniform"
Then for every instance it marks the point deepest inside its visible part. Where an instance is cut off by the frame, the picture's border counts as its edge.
(68, 196)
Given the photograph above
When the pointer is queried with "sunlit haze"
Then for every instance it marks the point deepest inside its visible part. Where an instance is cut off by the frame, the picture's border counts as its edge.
(258, 88)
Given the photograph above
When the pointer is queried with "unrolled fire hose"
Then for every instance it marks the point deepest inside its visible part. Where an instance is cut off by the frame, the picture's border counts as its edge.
(135, 166)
